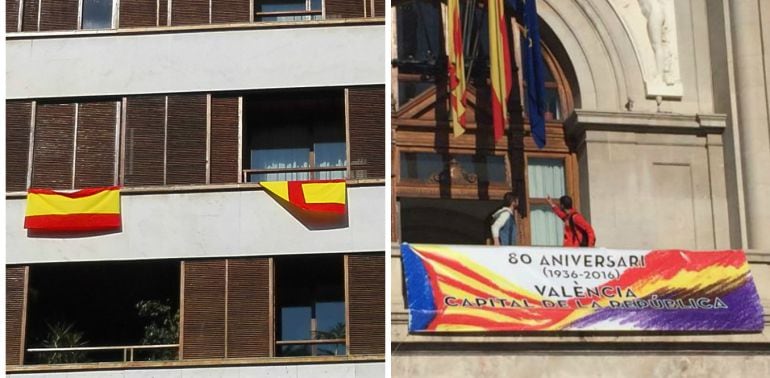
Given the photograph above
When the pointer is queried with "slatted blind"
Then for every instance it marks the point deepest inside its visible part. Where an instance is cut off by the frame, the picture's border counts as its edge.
(139, 13)
(29, 15)
(224, 140)
(248, 308)
(204, 309)
(224, 11)
(11, 15)
(144, 140)
(344, 8)
(18, 115)
(163, 13)
(58, 15)
(366, 303)
(189, 12)
(54, 146)
(186, 143)
(95, 153)
(366, 109)
(15, 291)
(379, 8)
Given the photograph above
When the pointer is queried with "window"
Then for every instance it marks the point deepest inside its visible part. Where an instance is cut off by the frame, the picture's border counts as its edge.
(97, 14)
(546, 177)
(103, 312)
(295, 136)
(428, 167)
(288, 10)
(310, 306)
(419, 34)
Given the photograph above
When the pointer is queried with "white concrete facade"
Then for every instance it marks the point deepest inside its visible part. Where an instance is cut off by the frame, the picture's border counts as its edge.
(204, 224)
(112, 64)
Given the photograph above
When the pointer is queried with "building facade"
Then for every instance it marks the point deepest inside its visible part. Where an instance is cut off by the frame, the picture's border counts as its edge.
(656, 125)
(186, 105)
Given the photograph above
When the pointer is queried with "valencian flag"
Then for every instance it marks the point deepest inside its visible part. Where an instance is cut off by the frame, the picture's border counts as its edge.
(318, 196)
(92, 209)
(534, 68)
(499, 65)
(457, 94)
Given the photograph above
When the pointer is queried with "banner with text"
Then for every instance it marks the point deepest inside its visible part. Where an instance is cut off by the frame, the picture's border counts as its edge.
(452, 288)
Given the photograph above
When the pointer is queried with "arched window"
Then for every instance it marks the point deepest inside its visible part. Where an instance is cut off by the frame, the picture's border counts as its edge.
(445, 186)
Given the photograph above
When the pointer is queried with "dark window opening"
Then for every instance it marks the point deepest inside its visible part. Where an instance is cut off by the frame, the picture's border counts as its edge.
(97, 14)
(295, 135)
(445, 221)
(106, 306)
(310, 305)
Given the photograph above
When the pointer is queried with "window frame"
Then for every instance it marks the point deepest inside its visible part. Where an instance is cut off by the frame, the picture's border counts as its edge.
(308, 11)
(570, 187)
(114, 19)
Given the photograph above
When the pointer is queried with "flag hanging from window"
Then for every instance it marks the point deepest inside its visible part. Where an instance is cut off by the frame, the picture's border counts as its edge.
(319, 196)
(499, 66)
(457, 94)
(92, 209)
(534, 68)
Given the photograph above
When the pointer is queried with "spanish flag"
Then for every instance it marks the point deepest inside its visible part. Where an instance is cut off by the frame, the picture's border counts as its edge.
(499, 66)
(92, 209)
(318, 196)
(457, 94)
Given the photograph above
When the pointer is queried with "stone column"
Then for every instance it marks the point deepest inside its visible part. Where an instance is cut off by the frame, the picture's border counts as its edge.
(753, 121)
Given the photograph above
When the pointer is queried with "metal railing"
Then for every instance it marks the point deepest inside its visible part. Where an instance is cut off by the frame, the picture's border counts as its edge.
(312, 172)
(128, 350)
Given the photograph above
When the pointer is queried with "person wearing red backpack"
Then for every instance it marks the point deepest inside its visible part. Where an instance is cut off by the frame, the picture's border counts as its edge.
(577, 231)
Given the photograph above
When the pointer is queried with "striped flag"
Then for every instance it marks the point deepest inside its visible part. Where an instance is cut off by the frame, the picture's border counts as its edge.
(92, 209)
(499, 66)
(457, 94)
(317, 196)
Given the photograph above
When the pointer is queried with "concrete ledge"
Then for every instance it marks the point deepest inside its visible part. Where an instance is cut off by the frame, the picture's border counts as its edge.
(668, 123)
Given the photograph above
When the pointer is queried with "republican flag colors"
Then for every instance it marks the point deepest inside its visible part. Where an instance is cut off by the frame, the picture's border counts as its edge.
(317, 196)
(92, 209)
(457, 94)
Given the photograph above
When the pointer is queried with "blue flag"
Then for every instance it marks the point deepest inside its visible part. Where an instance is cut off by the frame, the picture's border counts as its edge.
(534, 67)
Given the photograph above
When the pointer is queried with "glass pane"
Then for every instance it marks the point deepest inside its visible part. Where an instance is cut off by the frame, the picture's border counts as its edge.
(546, 177)
(279, 5)
(408, 90)
(552, 109)
(280, 159)
(547, 228)
(315, 5)
(488, 168)
(97, 14)
(419, 28)
(295, 323)
(330, 154)
(420, 166)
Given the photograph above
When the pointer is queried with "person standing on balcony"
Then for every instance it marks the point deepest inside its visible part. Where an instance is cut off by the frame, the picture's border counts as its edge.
(504, 222)
(577, 231)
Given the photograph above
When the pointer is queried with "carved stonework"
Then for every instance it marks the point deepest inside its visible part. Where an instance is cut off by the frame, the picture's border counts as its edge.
(454, 174)
(651, 25)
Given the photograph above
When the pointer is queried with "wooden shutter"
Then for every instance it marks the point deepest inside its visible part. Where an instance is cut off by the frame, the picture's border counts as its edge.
(189, 12)
(16, 279)
(144, 140)
(203, 329)
(379, 8)
(54, 146)
(224, 11)
(11, 15)
(224, 140)
(95, 153)
(139, 13)
(58, 15)
(163, 13)
(186, 142)
(248, 308)
(18, 116)
(366, 109)
(29, 15)
(344, 8)
(366, 303)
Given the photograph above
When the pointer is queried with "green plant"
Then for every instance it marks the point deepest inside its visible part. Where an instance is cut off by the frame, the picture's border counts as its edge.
(63, 335)
(162, 327)
(336, 332)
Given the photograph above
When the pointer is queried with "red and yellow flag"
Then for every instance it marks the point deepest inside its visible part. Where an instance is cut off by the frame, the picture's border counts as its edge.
(457, 94)
(322, 196)
(92, 209)
(499, 66)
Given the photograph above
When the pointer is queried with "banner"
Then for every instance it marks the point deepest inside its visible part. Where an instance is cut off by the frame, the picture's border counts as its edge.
(453, 288)
(92, 209)
(318, 196)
